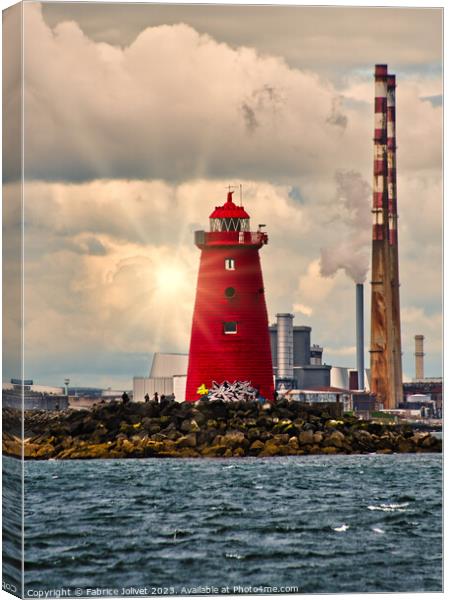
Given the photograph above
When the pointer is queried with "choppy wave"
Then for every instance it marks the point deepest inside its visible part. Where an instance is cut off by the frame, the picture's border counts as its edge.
(389, 507)
(283, 522)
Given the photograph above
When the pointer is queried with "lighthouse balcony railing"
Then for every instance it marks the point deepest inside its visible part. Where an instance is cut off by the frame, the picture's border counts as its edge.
(224, 238)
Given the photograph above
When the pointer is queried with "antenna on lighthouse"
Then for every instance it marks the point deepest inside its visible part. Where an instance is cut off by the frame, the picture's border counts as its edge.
(232, 188)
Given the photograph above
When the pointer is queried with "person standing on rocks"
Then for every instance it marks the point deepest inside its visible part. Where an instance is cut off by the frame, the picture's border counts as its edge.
(156, 397)
(125, 398)
(147, 397)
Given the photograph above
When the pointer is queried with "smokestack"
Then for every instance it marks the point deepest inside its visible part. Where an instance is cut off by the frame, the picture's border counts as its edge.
(381, 356)
(391, 160)
(285, 349)
(393, 237)
(419, 357)
(359, 335)
(380, 142)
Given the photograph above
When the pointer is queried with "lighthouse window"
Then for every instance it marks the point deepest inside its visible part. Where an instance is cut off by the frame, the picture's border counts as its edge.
(229, 292)
(229, 264)
(230, 327)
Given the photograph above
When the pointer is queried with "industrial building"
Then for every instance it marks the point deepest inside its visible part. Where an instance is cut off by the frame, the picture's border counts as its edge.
(323, 396)
(299, 358)
(33, 396)
(348, 379)
(296, 363)
(167, 376)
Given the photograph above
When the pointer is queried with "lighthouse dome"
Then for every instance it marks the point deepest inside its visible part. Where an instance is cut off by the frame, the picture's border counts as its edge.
(229, 217)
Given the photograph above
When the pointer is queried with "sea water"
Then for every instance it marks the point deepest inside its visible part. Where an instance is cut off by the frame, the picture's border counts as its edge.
(357, 523)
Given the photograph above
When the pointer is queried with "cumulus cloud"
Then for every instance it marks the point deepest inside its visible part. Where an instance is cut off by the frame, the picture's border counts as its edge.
(98, 111)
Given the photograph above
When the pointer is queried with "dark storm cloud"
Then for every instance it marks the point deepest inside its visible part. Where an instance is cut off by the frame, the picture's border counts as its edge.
(322, 38)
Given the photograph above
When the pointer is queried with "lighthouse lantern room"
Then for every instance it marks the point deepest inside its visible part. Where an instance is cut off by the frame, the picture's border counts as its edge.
(230, 337)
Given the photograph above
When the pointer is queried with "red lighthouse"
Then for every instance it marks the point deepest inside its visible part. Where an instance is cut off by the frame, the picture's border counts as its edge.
(230, 338)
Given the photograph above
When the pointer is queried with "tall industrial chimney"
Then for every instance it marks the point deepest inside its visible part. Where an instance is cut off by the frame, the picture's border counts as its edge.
(419, 357)
(381, 356)
(393, 237)
(386, 351)
(359, 335)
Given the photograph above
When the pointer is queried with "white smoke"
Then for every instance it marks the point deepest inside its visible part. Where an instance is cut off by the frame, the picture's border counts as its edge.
(352, 205)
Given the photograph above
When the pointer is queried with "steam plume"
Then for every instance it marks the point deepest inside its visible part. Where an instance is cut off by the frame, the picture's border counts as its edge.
(352, 203)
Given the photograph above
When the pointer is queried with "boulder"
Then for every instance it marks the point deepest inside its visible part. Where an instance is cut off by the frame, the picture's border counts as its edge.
(211, 451)
(310, 427)
(329, 450)
(253, 434)
(239, 452)
(14, 448)
(98, 450)
(158, 437)
(429, 441)
(293, 443)
(281, 438)
(218, 409)
(270, 449)
(233, 439)
(306, 437)
(419, 437)
(256, 446)
(199, 418)
(336, 439)
(127, 446)
(406, 445)
(186, 453)
(186, 441)
(189, 426)
(318, 437)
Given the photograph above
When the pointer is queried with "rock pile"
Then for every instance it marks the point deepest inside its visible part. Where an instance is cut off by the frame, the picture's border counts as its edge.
(204, 429)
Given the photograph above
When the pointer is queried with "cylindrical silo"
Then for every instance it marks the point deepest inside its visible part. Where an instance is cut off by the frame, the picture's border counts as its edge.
(285, 349)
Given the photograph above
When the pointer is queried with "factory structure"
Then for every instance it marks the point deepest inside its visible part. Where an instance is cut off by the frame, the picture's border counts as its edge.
(298, 369)
(296, 363)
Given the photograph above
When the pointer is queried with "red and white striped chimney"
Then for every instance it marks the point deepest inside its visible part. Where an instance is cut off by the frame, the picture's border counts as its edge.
(391, 159)
(380, 151)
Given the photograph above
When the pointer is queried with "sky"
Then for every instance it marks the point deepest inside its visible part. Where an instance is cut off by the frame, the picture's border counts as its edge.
(138, 117)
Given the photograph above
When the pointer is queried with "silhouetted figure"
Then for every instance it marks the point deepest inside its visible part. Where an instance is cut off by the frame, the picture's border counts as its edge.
(156, 397)
(162, 398)
(147, 397)
(125, 398)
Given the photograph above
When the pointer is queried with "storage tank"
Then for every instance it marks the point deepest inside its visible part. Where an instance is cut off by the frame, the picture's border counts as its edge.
(285, 349)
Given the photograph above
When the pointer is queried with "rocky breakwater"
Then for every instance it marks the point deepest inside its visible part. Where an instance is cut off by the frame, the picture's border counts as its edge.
(204, 429)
